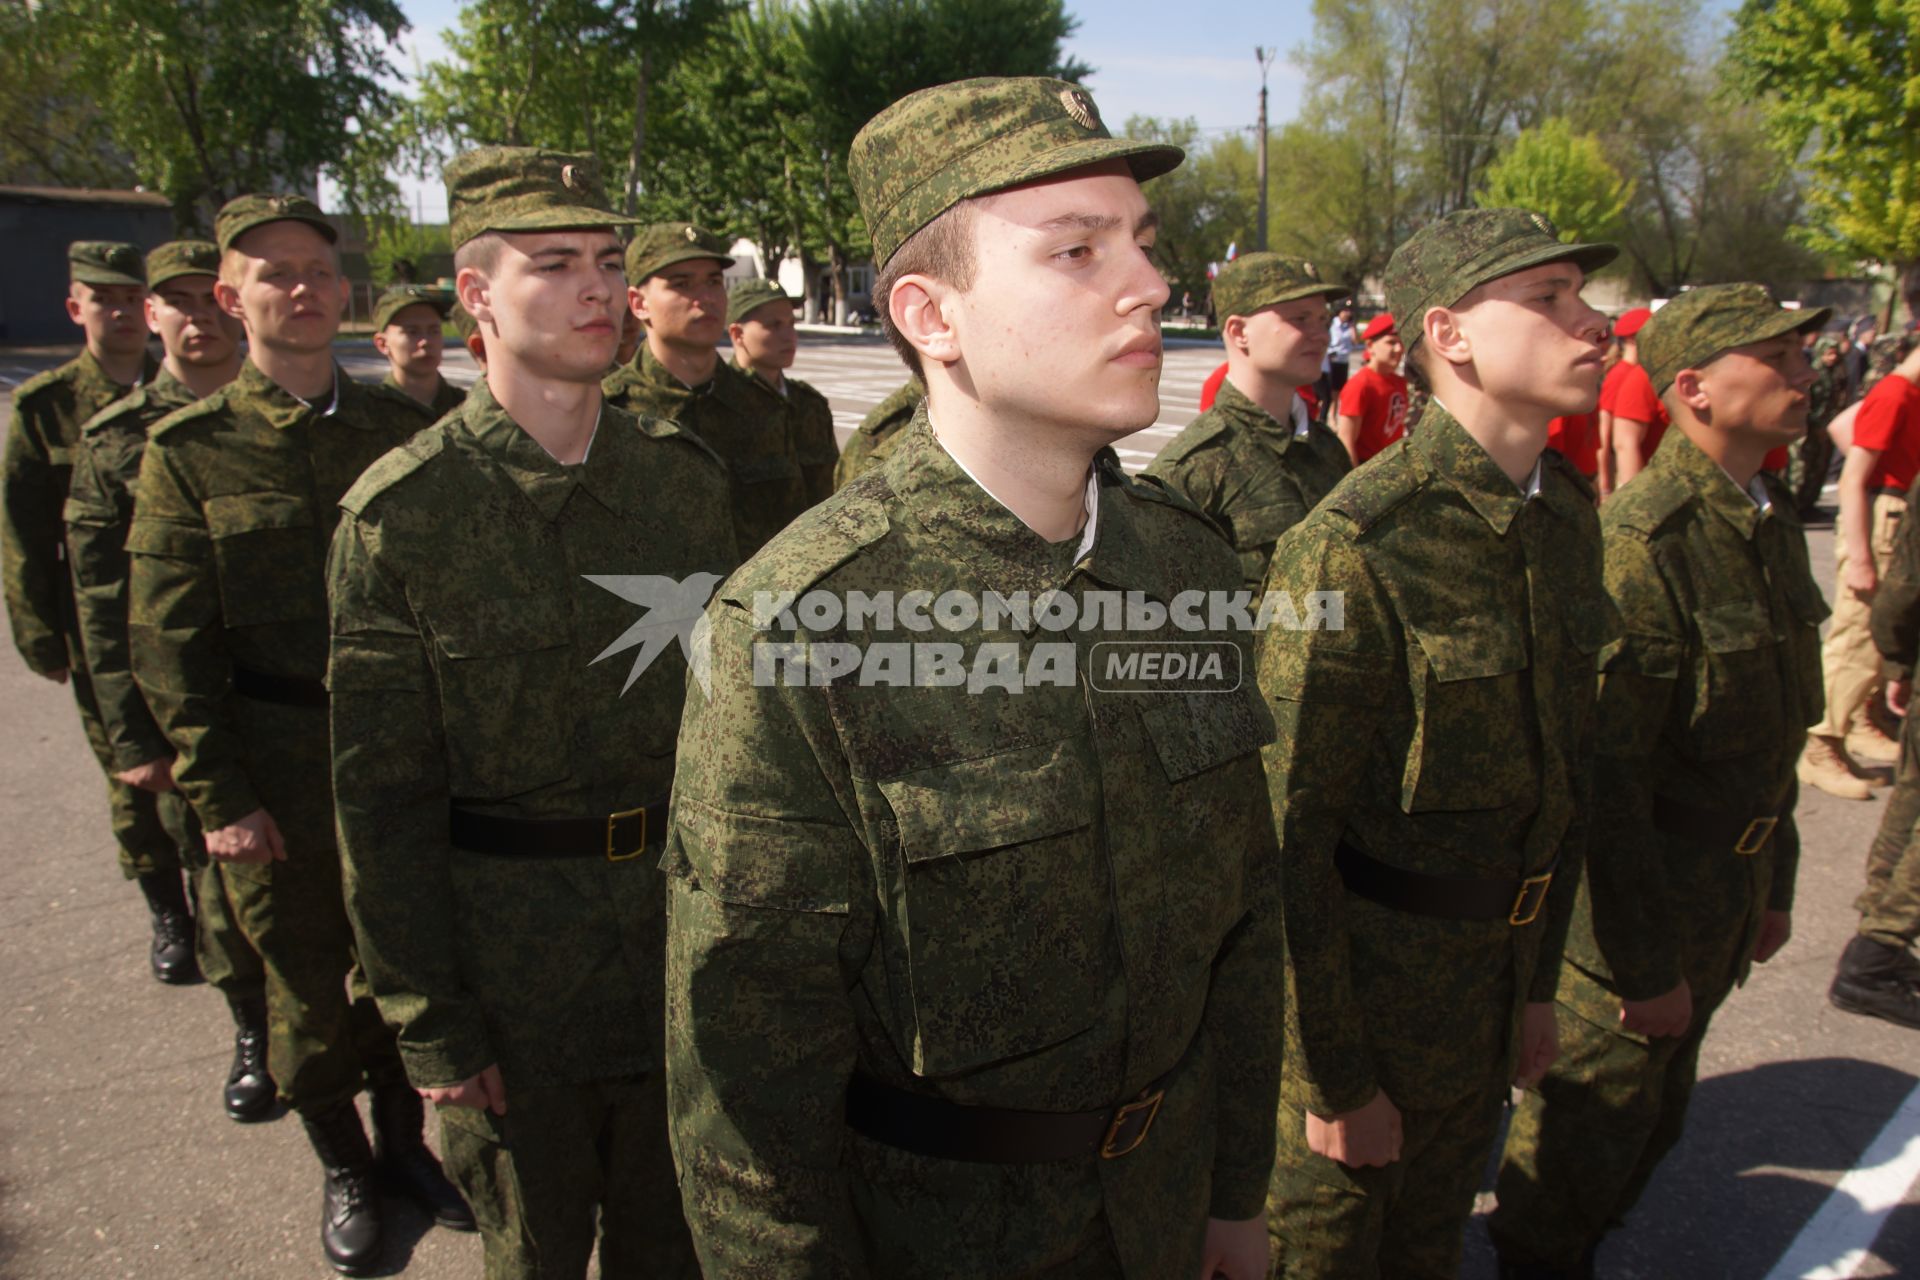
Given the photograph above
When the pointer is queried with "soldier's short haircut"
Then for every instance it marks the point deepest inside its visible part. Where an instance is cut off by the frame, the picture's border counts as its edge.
(482, 253)
(942, 249)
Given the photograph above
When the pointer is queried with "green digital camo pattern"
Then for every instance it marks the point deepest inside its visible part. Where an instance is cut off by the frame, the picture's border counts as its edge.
(1706, 322)
(238, 498)
(932, 149)
(1813, 454)
(1581, 1147)
(750, 295)
(178, 258)
(105, 262)
(1252, 474)
(1704, 700)
(737, 422)
(243, 213)
(939, 888)
(874, 438)
(1885, 355)
(538, 1203)
(98, 513)
(1446, 728)
(1889, 904)
(227, 960)
(525, 189)
(810, 423)
(659, 245)
(446, 398)
(1402, 1220)
(1255, 280)
(399, 297)
(1450, 257)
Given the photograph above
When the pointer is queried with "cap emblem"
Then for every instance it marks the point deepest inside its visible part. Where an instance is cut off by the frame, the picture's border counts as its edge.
(1540, 221)
(1080, 108)
(570, 177)
(692, 235)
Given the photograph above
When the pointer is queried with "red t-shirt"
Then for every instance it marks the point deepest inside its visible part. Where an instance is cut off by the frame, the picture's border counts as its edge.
(1210, 391)
(1628, 393)
(1889, 420)
(1379, 401)
(1577, 438)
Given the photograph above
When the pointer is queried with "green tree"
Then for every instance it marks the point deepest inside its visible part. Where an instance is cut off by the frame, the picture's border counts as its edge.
(1563, 174)
(1839, 84)
(1203, 205)
(52, 130)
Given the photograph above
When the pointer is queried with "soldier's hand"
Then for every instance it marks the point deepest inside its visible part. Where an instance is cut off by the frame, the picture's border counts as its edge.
(1898, 691)
(1667, 1015)
(1860, 577)
(1236, 1249)
(1539, 1043)
(484, 1092)
(58, 677)
(1775, 928)
(154, 775)
(255, 838)
(1367, 1136)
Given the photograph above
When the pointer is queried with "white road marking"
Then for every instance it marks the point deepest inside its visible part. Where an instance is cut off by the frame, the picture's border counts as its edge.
(1838, 1238)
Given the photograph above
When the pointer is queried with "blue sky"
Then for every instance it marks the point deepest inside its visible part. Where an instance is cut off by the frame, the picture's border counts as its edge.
(1150, 57)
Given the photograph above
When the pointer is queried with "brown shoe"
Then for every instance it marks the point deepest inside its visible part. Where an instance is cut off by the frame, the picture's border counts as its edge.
(1869, 742)
(1824, 764)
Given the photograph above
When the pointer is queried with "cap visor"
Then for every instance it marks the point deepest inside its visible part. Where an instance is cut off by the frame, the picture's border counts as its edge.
(1588, 257)
(94, 275)
(691, 255)
(562, 218)
(1148, 160)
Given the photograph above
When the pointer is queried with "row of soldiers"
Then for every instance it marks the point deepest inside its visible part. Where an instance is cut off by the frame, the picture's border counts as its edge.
(759, 977)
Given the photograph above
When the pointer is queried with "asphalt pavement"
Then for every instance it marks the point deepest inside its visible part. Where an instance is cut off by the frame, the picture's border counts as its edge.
(116, 1160)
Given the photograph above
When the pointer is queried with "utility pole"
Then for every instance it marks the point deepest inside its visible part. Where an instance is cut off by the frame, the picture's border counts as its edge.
(1265, 58)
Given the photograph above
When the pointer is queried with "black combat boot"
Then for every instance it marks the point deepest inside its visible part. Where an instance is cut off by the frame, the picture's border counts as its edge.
(249, 1094)
(406, 1166)
(171, 956)
(1870, 981)
(349, 1209)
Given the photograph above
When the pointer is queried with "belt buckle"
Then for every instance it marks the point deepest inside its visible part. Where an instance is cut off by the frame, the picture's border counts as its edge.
(1527, 903)
(1755, 837)
(1149, 1104)
(638, 849)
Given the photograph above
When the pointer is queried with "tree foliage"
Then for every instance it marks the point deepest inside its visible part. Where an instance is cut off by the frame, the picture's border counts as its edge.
(1563, 174)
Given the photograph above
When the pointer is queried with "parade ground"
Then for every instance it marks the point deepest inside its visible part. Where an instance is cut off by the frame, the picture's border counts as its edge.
(116, 1160)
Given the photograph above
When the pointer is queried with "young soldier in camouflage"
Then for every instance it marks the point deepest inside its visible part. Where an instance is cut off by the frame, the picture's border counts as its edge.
(675, 287)
(765, 342)
(1255, 461)
(407, 330)
(965, 985)
(502, 771)
(1429, 776)
(202, 346)
(105, 295)
(227, 614)
(873, 439)
(1704, 703)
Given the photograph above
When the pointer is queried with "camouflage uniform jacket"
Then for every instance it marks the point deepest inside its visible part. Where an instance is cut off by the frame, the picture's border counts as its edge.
(1257, 477)
(237, 499)
(738, 423)
(99, 511)
(873, 439)
(1896, 603)
(1826, 397)
(1445, 728)
(1705, 701)
(48, 410)
(445, 400)
(475, 613)
(1039, 901)
(810, 420)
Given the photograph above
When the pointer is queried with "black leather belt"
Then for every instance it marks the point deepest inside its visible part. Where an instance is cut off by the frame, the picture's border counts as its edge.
(1715, 828)
(617, 837)
(1452, 897)
(287, 691)
(996, 1135)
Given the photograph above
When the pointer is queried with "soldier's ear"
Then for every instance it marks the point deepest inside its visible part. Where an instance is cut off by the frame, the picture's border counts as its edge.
(1445, 336)
(228, 298)
(918, 307)
(471, 287)
(1689, 389)
(1233, 330)
(148, 306)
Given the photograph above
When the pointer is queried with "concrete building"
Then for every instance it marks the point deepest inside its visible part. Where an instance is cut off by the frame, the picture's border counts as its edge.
(37, 224)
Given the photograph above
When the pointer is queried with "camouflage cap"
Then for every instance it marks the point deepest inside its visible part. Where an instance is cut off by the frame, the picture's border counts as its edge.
(1255, 280)
(659, 245)
(401, 296)
(1450, 257)
(178, 258)
(525, 189)
(105, 262)
(750, 295)
(1702, 324)
(935, 148)
(243, 213)
(1884, 355)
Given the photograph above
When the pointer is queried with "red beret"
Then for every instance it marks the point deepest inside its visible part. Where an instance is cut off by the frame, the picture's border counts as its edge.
(1379, 326)
(1630, 321)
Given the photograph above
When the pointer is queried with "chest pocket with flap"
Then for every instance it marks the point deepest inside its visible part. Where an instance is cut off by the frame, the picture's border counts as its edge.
(1469, 749)
(268, 554)
(505, 686)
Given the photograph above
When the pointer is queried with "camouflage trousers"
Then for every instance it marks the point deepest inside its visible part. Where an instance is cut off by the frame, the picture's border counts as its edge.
(1400, 1222)
(145, 838)
(1848, 660)
(325, 1038)
(1889, 905)
(227, 960)
(1807, 472)
(1581, 1149)
(565, 1164)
